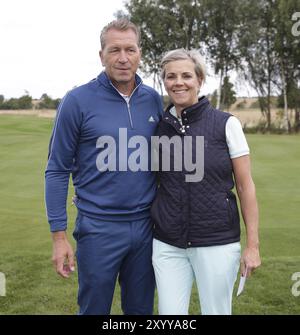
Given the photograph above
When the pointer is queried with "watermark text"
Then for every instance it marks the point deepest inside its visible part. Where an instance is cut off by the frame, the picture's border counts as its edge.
(296, 285)
(296, 26)
(176, 153)
(2, 285)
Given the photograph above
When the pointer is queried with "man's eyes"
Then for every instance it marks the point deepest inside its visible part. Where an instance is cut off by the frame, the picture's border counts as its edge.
(131, 50)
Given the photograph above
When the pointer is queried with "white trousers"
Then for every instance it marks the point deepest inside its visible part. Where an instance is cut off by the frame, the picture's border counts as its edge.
(214, 268)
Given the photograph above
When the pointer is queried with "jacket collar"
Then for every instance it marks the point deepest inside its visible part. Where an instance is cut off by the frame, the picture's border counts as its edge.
(104, 80)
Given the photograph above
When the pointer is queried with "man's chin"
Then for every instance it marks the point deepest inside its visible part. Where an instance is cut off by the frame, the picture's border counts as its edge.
(124, 79)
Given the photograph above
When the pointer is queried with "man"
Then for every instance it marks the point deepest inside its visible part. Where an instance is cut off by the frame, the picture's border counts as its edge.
(89, 140)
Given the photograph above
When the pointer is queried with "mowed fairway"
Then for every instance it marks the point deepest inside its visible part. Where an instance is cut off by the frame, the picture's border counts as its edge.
(25, 244)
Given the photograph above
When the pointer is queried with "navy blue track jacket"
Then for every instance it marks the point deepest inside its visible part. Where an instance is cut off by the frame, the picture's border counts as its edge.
(86, 117)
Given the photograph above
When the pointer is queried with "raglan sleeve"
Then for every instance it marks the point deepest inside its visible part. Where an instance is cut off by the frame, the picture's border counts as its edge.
(62, 148)
(160, 106)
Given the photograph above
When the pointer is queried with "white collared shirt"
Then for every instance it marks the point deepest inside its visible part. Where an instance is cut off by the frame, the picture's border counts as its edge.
(235, 137)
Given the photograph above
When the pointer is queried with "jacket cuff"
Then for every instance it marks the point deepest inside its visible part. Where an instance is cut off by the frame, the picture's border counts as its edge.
(58, 226)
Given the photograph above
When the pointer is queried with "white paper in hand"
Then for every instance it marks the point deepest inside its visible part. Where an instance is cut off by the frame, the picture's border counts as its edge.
(242, 283)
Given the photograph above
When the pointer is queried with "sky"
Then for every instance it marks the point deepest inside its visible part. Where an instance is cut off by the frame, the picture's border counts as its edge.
(50, 46)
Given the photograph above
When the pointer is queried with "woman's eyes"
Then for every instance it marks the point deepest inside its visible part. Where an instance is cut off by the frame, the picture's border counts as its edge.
(184, 76)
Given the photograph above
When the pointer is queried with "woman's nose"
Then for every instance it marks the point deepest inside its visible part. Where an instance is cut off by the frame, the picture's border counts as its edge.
(178, 81)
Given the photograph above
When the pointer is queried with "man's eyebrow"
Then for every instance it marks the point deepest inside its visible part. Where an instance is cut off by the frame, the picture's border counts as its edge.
(113, 47)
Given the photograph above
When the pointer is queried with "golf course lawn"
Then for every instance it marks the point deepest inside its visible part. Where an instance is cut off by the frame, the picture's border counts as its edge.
(33, 287)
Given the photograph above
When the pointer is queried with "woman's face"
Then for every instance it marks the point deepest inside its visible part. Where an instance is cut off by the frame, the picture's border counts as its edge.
(182, 83)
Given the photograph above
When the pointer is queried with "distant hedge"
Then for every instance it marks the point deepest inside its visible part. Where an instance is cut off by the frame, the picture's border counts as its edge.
(24, 102)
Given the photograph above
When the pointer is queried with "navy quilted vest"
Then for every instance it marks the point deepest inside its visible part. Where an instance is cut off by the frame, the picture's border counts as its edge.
(195, 214)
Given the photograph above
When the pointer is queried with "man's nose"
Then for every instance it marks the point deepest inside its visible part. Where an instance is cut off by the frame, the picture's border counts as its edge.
(123, 57)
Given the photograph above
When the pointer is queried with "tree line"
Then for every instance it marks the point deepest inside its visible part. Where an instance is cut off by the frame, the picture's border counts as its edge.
(26, 102)
(257, 39)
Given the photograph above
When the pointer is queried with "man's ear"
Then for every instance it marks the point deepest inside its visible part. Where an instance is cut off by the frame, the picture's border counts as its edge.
(140, 51)
(101, 57)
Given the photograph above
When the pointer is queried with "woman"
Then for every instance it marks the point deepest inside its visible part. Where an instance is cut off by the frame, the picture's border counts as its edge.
(196, 224)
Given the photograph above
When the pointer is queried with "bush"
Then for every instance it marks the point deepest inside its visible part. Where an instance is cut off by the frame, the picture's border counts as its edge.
(47, 102)
(255, 104)
(241, 105)
(25, 102)
(261, 128)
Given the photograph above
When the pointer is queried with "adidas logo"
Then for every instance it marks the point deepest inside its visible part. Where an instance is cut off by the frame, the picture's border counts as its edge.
(151, 119)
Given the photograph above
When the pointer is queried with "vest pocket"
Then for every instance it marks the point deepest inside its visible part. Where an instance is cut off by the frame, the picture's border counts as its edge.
(233, 212)
(229, 209)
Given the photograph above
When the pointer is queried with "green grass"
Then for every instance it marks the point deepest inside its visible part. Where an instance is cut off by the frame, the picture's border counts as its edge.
(25, 244)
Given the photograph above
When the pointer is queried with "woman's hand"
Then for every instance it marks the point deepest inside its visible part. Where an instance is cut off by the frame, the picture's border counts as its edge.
(250, 260)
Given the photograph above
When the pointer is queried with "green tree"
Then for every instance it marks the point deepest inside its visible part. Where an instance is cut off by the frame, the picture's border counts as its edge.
(46, 102)
(287, 48)
(24, 102)
(207, 25)
(293, 98)
(213, 98)
(12, 103)
(220, 25)
(253, 37)
(257, 47)
(228, 95)
(165, 25)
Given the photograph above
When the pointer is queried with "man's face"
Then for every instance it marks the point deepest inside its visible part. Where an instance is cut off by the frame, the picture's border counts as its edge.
(121, 56)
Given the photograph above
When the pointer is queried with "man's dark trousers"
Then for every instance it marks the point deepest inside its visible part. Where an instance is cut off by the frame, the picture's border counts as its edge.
(107, 250)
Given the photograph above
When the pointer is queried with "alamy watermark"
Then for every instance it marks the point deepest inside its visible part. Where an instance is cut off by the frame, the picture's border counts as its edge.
(296, 285)
(296, 26)
(177, 153)
(2, 285)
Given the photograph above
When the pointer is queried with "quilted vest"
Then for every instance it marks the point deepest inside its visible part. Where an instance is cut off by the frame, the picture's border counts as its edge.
(203, 213)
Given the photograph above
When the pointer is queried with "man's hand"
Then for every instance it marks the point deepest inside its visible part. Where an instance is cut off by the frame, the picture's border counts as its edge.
(63, 256)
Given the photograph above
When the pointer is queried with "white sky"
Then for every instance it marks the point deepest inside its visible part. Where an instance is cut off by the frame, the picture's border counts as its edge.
(50, 46)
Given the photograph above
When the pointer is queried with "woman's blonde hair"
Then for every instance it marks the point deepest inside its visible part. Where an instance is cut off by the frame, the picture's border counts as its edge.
(183, 54)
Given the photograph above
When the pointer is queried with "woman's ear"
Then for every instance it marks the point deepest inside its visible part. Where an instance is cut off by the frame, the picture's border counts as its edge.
(201, 82)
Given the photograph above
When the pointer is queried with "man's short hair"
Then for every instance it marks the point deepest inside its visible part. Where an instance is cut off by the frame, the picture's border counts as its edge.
(121, 24)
